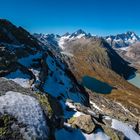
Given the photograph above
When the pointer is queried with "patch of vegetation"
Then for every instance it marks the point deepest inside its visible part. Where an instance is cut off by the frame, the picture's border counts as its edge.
(44, 101)
(6, 131)
(111, 133)
(71, 121)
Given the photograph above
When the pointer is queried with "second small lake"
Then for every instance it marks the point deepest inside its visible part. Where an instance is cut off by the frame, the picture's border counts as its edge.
(135, 80)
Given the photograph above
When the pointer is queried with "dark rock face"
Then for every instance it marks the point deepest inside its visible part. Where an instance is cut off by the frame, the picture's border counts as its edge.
(15, 35)
(118, 64)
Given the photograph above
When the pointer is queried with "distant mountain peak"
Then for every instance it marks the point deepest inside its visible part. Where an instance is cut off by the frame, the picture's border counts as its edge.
(79, 34)
(66, 34)
(80, 31)
(123, 40)
(130, 32)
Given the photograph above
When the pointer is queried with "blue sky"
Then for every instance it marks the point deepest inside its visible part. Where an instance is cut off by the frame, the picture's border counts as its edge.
(101, 17)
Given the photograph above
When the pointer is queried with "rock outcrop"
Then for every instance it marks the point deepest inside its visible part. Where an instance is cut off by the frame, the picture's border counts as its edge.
(84, 122)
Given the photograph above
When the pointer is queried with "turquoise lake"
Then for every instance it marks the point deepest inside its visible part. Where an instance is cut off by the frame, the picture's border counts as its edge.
(136, 80)
(96, 86)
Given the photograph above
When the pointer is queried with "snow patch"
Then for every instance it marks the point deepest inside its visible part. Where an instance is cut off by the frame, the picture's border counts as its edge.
(124, 48)
(124, 128)
(36, 73)
(80, 36)
(67, 54)
(95, 106)
(27, 111)
(62, 40)
(75, 112)
(20, 78)
(70, 105)
(123, 107)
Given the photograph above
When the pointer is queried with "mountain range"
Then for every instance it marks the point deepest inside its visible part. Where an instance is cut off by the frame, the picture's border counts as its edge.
(123, 40)
(72, 86)
(120, 42)
(116, 41)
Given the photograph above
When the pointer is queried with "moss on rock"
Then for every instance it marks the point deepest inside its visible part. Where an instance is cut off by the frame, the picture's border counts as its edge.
(6, 130)
(44, 102)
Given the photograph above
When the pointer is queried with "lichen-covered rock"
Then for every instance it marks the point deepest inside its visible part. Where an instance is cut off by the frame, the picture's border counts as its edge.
(43, 99)
(114, 135)
(9, 128)
(84, 122)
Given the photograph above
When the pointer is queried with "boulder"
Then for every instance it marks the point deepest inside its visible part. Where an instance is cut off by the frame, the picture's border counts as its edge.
(84, 122)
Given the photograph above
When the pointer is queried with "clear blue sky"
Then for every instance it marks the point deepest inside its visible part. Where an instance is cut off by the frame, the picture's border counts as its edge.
(99, 17)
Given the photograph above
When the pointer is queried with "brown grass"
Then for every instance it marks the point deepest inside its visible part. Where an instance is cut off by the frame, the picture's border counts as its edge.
(94, 62)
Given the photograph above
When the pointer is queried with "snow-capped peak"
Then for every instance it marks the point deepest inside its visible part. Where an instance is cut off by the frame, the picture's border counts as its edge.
(80, 31)
(78, 34)
(66, 34)
(130, 33)
(122, 40)
(68, 37)
(116, 41)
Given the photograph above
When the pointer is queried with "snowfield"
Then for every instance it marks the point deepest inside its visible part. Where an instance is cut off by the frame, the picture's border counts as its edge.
(27, 111)
(62, 40)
